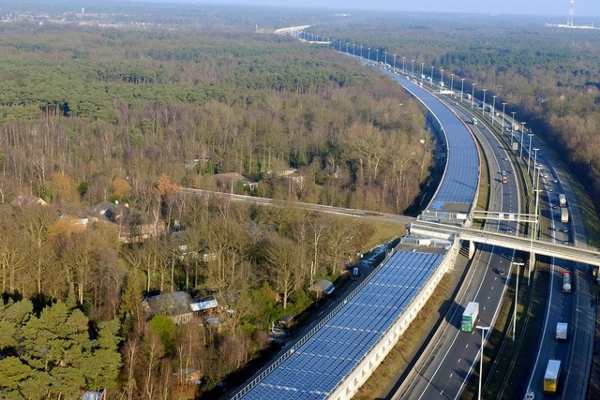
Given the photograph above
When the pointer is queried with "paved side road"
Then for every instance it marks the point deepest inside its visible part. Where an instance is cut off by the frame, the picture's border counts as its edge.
(319, 208)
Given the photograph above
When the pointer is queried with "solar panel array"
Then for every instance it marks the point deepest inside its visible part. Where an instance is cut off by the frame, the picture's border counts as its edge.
(459, 184)
(317, 366)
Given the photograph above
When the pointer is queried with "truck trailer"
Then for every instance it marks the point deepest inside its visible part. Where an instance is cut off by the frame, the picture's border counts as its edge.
(469, 317)
(562, 329)
(551, 376)
(564, 215)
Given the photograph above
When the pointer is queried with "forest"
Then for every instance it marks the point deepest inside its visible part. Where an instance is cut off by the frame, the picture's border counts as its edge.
(99, 131)
(548, 76)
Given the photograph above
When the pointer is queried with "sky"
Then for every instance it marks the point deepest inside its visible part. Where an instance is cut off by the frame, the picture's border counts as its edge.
(535, 7)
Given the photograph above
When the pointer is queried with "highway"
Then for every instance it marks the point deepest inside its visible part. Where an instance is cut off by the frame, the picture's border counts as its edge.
(443, 368)
(576, 308)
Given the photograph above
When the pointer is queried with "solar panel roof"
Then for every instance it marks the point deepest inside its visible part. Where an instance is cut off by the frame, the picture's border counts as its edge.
(459, 183)
(317, 366)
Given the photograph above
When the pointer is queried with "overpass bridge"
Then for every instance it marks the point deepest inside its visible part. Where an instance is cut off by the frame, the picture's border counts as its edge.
(367, 215)
(519, 243)
(291, 30)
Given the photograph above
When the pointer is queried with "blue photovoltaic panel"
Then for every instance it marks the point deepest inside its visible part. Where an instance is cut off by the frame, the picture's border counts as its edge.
(320, 364)
(459, 184)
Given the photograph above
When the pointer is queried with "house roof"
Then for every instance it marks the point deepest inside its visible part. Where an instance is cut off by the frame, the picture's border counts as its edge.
(25, 200)
(231, 176)
(92, 395)
(205, 303)
(175, 303)
(323, 286)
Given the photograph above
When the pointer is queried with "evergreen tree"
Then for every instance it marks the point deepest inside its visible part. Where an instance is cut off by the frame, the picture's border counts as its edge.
(54, 355)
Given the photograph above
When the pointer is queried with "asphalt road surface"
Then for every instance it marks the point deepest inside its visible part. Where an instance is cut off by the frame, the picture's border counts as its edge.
(444, 367)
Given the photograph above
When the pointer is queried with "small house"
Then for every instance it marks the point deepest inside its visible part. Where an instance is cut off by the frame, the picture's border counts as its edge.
(204, 304)
(323, 287)
(190, 376)
(28, 200)
(176, 305)
(228, 181)
(93, 395)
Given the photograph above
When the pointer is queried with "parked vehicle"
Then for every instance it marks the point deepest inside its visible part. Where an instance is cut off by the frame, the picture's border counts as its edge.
(566, 282)
(469, 317)
(551, 376)
(562, 329)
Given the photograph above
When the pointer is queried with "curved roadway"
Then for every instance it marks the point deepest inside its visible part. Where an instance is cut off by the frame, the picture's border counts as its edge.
(444, 367)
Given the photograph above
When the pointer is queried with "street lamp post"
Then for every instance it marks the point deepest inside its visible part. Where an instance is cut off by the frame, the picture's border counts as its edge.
(535, 150)
(422, 71)
(522, 138)
(529, 150)
(452, 82)
(404, 65)
(442, 77)
(413, 67)
(473, 93)
(512, 129)
(533, 234)
(462, 87)
(514, 327)
(493, 109)
(503, 116)
(431, 75)
(483, 329)
(483, 104)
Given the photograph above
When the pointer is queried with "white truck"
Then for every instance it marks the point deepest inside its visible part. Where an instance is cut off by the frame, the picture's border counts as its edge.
(562, 200)
(469, 317)
(566, 288)
(564, 215)
(562, 329)
(551, 376)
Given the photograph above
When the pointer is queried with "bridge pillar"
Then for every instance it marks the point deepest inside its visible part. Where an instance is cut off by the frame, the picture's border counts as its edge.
(471, 249)
(530, 266)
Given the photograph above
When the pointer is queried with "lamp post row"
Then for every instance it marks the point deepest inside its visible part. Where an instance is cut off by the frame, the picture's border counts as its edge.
(351, 48)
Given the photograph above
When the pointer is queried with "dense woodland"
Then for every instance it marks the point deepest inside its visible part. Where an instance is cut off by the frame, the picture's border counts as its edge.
(550, 77)
(90, 116)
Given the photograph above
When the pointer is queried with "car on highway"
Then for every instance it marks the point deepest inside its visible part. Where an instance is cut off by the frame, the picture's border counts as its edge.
(500, 271)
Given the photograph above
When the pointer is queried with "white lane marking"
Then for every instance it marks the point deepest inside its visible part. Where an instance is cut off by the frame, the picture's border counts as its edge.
(537, 357)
